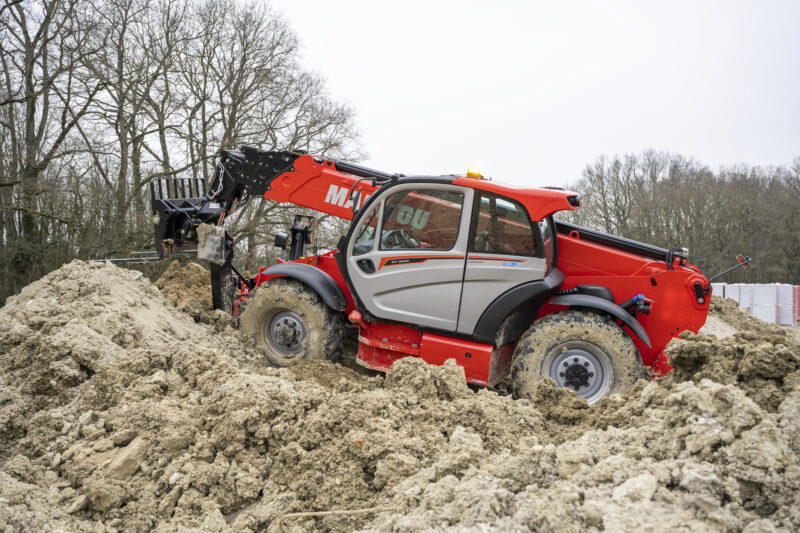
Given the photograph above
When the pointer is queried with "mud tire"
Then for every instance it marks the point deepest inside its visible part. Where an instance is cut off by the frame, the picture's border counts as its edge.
(322, 327)
(598, 337)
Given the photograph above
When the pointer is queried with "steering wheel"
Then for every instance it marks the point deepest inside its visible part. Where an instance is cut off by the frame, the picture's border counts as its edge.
(399, 238)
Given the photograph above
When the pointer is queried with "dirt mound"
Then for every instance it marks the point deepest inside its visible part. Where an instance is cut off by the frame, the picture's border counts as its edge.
(762, 359)
(118, 410)
(188, 287)
(183, 282)
(717, 327)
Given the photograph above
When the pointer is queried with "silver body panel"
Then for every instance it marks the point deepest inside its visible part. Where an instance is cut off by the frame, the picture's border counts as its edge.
(488, 276)
(425, 293)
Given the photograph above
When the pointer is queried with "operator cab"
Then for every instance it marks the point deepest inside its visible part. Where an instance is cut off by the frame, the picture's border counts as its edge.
(435, 254)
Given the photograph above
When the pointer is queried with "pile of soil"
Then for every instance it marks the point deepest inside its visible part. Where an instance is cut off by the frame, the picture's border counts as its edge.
(119, 411)
(188, 287)
(186, 282)
(761, 359)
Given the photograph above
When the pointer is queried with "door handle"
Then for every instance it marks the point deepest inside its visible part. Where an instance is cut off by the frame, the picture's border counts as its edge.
(366, 265)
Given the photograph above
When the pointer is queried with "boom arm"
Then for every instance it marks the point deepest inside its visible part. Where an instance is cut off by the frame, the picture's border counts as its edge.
(325, 185)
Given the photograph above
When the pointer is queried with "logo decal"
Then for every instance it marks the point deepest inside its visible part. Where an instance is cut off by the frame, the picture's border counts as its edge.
(404, 260)
(338, 196)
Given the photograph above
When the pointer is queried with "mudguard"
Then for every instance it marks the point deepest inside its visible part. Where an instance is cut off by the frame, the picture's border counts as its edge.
(320, 281)
(594, 302)
(519, 305)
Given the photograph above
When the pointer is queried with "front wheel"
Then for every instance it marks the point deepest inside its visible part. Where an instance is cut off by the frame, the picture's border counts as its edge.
(584, 351)
(289, 322)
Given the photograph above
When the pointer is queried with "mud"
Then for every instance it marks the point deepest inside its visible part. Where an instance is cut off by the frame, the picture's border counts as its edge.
(120, 412)
(188, 287)
(537, 345)
(763, 360)
(183, 282)
(211, 243)
(718, 328)
(321, 337)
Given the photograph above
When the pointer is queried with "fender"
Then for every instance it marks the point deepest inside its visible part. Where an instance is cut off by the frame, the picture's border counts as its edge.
(600, 304)
(519, 305)
(320, 281)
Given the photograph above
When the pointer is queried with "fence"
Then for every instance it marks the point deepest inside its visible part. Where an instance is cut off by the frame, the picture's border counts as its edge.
(776, 303)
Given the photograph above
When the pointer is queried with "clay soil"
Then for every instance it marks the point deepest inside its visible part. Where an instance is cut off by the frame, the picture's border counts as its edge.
(125, 408)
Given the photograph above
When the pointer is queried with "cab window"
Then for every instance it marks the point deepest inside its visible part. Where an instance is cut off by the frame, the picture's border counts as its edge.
(501, 226)
(366, 235)
(421, 218)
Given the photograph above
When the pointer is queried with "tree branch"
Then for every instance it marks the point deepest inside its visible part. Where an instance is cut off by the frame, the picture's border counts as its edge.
(9, 4)
(64, 221)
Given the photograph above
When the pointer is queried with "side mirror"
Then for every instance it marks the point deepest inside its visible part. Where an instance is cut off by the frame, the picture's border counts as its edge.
(742, 260)
(281, 239)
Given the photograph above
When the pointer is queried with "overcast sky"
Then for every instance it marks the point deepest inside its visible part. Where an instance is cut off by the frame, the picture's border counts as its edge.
(533, 91)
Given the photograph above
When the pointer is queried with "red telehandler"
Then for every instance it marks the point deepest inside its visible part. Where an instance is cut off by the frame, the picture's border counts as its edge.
(438, 267)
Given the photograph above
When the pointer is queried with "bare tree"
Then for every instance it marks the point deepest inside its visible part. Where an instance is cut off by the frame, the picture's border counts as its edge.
(99, 97)
(241, 83)
(44, 49)
(670, 200)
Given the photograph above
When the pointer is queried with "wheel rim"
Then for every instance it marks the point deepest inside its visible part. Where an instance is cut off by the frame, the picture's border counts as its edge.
(581, 366)
(284, 331)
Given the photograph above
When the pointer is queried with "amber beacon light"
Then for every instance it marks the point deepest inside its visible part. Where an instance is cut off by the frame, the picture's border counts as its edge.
(474, 172)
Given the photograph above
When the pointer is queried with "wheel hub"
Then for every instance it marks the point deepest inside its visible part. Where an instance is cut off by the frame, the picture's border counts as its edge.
(581, 366)
(576, 369)
(577, 375)
(287, 332)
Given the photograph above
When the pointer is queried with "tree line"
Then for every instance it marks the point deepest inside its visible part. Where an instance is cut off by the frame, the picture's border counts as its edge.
(674, 201)
(99, 97)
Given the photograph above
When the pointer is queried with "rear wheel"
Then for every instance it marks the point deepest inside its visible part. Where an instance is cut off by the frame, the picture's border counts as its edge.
(289, 322)
(584, 351)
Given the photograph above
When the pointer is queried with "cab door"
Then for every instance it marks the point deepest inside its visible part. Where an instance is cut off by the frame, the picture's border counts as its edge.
(504, 250)
(406, 257)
